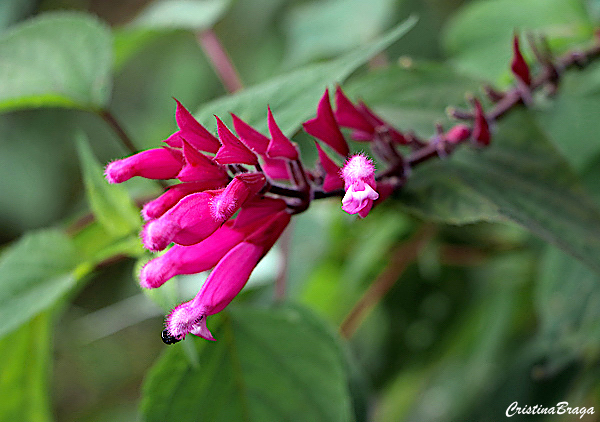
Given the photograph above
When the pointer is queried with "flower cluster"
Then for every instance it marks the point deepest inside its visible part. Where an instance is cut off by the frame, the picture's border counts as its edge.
(235, 195)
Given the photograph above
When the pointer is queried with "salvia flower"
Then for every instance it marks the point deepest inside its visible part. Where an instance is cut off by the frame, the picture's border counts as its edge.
(233, 194)
(224, 283)
(359, 182)
(159, 163)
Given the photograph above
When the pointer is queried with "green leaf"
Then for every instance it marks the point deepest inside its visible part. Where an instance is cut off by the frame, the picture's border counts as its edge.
(568, 305)
(111, 205)
(475, 349)
(25, 357)
(320, 29)
(266, 365)
(530, 184)
(478, 38)
(35, 273)
(293, 97)
(165, 16)
(181, 14)
(569, 118)
(56, 60)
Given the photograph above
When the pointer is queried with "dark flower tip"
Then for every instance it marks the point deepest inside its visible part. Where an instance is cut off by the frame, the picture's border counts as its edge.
(167, 338)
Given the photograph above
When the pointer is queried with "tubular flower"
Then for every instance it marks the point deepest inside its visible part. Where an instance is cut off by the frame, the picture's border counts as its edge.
(226, 209)
(159, 163)
(224, 283)
(359, 182)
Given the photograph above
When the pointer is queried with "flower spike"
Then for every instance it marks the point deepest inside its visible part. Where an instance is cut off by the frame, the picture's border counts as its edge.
(325, 128)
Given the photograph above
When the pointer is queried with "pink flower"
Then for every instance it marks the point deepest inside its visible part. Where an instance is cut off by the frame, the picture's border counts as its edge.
(225, 282)
(198, 215)
(359, 182)
(159, 163)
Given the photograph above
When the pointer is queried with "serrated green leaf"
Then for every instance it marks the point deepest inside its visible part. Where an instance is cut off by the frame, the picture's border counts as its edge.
(266, 365)
(181, 14)
(293, 97)
(35, 273)
(56, 60)
(478, 38)
(320, 29)
(530, 184)
(111, 205)
(25, 357)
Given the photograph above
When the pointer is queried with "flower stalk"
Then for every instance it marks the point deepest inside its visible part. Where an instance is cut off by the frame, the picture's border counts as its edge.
(237, 192)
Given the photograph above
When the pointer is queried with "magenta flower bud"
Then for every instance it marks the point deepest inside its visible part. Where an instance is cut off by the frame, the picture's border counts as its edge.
(160, 205)
(199, 167)
(197, 216)
(519, 66)
(458, 134)
(188, 222)
(205, 255)
(192, 132)
(251, 137)
(325, 128)
(190, 259)
(481, 130)
(233, 150)
(257, 209)
(332, 180)
(224, 283)
(279, 146)
(159, 163)
(360, 185)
